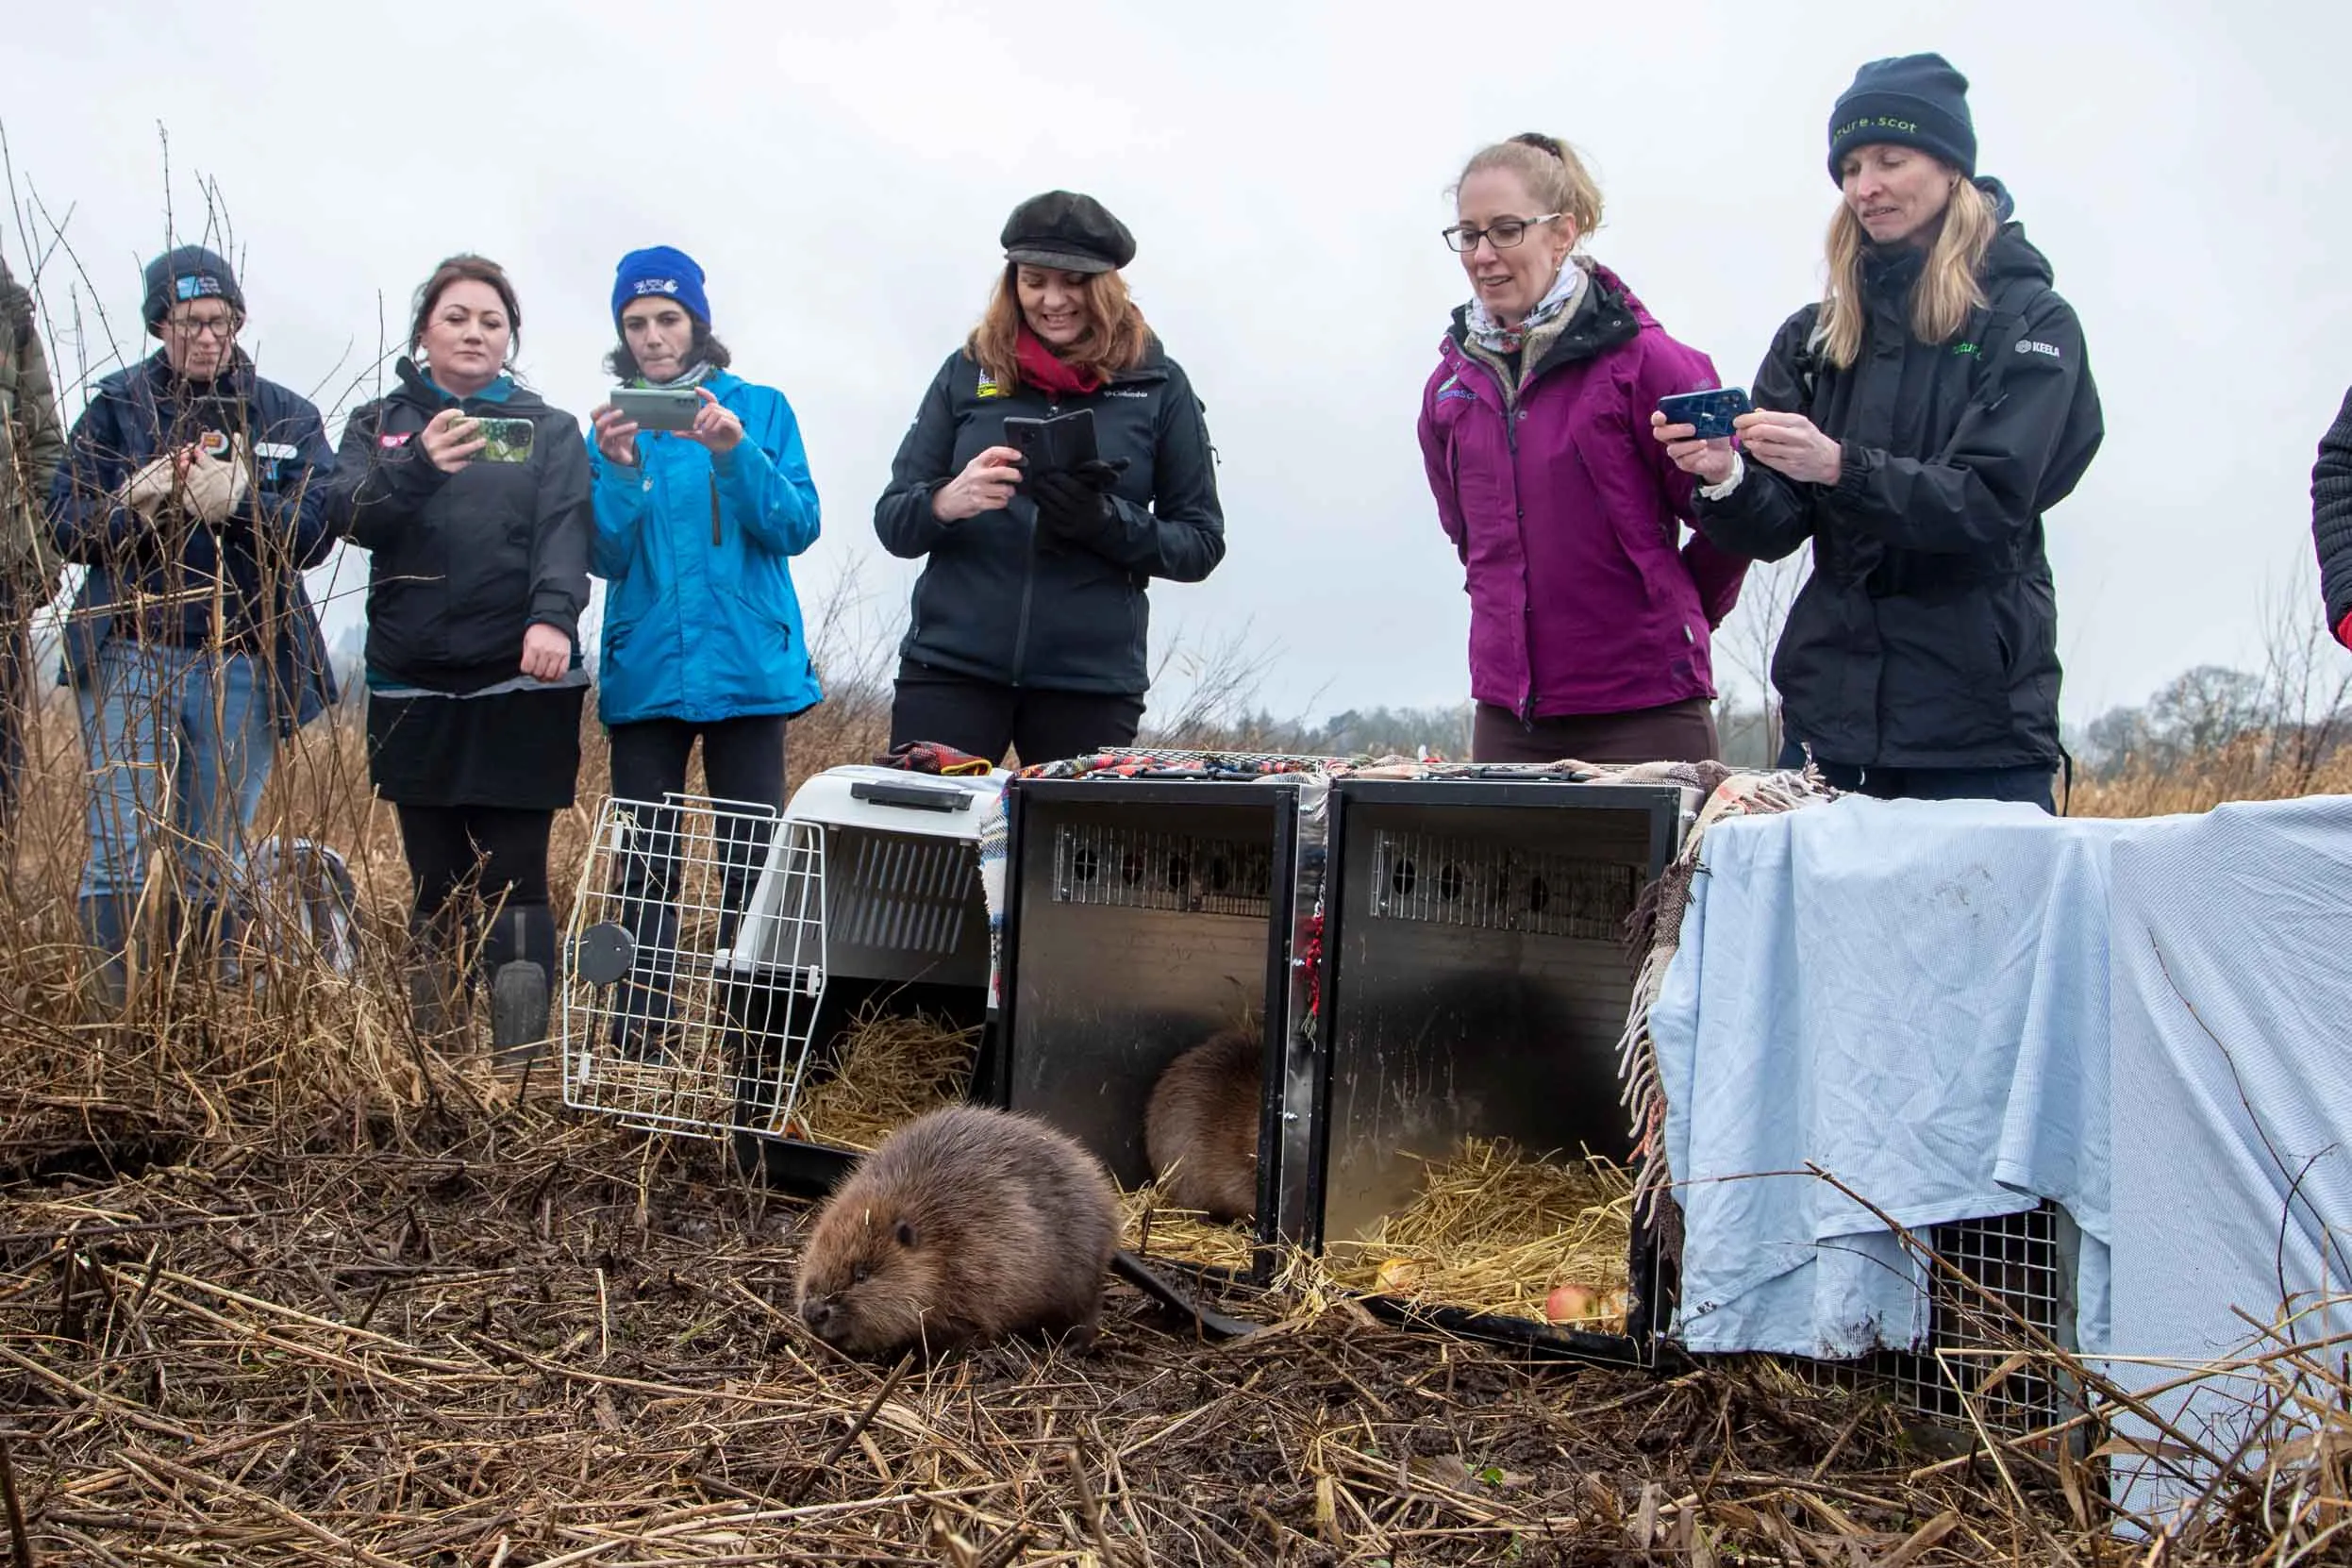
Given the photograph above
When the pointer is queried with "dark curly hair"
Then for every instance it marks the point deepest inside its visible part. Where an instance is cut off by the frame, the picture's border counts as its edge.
(706, 350)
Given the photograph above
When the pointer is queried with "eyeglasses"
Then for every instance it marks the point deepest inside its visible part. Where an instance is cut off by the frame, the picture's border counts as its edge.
(1502, 232)
(223, 328)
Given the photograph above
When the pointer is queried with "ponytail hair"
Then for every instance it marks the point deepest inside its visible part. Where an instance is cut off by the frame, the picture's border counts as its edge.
(1553, 173)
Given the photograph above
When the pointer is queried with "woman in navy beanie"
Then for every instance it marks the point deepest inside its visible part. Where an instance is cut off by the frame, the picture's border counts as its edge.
(702, 640)
(1914, 426)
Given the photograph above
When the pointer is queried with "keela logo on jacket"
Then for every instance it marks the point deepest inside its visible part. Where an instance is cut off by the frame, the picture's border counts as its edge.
(655, 286)
(268, 449)
(2027, 345)
(1113, 391)
(394, 438)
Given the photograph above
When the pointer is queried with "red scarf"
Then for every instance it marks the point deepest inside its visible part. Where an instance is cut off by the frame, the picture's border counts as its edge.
(1040, 370)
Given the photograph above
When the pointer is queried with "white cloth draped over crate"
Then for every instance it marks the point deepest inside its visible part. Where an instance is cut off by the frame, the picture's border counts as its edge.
(2232, 943)
(1912, 996)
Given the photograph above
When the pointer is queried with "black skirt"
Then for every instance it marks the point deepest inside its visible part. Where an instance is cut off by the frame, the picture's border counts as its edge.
(520, 750)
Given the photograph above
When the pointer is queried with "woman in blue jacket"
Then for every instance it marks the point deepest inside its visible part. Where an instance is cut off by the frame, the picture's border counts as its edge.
(696, 532)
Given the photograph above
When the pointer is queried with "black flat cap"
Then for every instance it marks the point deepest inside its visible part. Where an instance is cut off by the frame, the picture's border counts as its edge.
(1064, 230)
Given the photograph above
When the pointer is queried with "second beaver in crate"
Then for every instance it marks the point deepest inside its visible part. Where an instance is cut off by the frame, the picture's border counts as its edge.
(1200, 1129)
(966, 1223)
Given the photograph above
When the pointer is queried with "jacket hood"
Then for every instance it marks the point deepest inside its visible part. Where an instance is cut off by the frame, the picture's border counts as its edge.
(1609, 316)
(237, 380)
(2012, 255)
(412, 386)
(1152, 367)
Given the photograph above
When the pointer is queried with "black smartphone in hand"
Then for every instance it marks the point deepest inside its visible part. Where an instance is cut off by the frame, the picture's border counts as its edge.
(1061, 445)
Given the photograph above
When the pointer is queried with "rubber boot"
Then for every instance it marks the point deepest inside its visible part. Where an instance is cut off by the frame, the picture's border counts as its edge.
(520, 954)
(436, 996)
(106, 928)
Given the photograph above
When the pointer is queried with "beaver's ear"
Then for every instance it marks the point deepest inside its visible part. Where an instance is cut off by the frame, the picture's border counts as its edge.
(905, 1233)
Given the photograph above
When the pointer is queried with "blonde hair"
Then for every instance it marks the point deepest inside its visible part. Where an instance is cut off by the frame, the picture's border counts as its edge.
(1116, 337)
(1948, 289)
(1552, 172)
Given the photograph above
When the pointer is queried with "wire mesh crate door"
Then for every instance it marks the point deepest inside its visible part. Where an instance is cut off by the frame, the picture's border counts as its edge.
(697, 951)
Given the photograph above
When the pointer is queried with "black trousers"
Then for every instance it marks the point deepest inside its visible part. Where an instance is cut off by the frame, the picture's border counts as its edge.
(743, 764)
(472, 863)
(985, 718)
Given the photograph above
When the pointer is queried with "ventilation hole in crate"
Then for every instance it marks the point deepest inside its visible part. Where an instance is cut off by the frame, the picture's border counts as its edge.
(1449, 882)
(1401, 878)
(1117, 866)
(1538, 895)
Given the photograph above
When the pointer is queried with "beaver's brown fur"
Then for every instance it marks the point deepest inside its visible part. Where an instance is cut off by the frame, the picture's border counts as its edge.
(1200, 1131)
(966, 1223)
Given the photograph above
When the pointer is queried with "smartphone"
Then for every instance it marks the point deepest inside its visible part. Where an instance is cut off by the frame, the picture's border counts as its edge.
(658, 408)
(1710, 412)
(1059, 444)
(506, 440)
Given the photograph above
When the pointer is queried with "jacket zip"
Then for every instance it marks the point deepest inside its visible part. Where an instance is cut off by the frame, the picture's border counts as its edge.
(1510, 441)
(714, 509)
(1028, 588)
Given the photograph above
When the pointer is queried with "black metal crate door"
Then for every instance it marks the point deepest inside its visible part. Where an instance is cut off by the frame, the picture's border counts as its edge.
(1144, 916)
(1476, 988)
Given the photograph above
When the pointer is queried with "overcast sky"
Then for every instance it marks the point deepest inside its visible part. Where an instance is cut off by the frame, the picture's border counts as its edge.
(842, 173)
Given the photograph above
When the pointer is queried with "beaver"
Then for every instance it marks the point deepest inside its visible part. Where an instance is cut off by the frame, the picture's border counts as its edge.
(966, 1223)
(1200, 1129)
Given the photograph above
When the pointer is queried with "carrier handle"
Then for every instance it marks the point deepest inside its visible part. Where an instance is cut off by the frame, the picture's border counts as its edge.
(920, 798)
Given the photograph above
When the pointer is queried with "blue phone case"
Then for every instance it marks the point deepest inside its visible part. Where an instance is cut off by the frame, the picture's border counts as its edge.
(1711, 412)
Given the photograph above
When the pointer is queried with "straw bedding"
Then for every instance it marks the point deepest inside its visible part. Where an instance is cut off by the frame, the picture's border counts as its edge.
(1494, 1230)
(893, 1067)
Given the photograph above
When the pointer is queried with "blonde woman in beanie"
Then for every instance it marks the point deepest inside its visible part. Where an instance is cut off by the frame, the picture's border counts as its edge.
(1914, 426)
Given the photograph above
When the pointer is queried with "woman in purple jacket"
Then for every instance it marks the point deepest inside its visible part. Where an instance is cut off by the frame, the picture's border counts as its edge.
(1590, 617)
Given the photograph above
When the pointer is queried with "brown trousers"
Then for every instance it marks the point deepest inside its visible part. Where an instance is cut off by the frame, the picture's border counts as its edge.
(1678, 732)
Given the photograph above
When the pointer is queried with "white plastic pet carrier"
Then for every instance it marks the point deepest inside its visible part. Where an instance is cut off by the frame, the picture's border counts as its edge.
(715, 948)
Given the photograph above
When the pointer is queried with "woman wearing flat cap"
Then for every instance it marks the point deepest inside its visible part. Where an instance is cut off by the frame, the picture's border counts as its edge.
(1029, 620)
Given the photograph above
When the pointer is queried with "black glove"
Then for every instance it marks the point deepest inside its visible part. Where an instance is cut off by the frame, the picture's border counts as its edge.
(1076, 506)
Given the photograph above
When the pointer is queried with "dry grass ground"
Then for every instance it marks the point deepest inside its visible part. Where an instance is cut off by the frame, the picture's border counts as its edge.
(281, 1285)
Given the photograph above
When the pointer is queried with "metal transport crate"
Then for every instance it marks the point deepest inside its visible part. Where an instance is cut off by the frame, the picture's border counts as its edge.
(1476, 984)
(2025, 1263)
(1141, 915)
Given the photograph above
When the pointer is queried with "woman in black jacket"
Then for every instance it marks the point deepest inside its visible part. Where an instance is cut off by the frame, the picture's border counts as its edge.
(471, 497)
(1029, 620)
(1914, 425)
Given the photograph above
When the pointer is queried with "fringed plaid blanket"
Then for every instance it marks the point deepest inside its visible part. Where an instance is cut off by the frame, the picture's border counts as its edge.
(1655, 930)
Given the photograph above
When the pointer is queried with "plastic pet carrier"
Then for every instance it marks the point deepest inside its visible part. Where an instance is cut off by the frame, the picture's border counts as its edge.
(1476, 986)
(721, 954)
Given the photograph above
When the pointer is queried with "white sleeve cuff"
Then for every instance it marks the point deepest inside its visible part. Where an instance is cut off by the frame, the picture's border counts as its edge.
(1739, 472)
